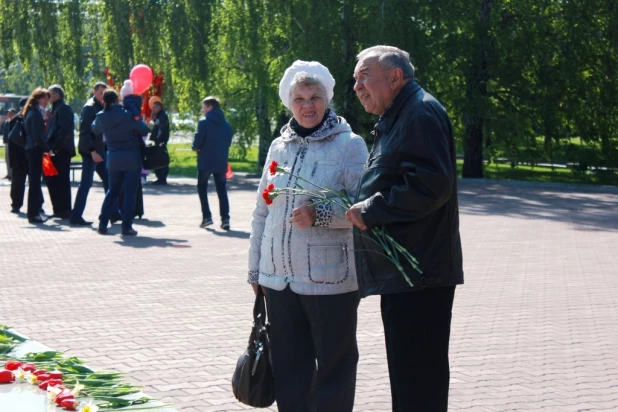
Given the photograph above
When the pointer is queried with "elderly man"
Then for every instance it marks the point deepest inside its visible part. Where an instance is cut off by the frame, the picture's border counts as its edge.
(409, 188)
(160, 135)
(61, 140)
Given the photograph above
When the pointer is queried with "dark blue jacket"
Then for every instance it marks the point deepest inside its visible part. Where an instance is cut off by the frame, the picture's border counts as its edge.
(213, 140)
(36, 137)
(62, 128)
(88, 141)
(123, 145)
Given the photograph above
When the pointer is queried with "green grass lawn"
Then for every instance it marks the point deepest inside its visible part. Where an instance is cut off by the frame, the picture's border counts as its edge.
(183, 162)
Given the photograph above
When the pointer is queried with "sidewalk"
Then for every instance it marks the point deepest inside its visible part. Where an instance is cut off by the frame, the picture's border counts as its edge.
(534, 327)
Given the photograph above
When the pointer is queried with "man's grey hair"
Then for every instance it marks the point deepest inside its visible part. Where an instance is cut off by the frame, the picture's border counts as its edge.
(56, 88)
(307, 79)
(389, 57)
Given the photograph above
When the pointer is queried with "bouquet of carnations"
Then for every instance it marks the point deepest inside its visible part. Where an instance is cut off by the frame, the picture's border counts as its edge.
(392, 250)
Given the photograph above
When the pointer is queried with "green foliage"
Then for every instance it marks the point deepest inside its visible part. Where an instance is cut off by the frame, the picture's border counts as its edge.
(507, 71)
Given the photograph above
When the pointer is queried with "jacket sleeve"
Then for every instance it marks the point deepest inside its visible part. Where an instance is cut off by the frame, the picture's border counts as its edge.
(86, 144)
(140, 127)
(95, 127)
(260, 212)
(164, 130)
(38, 132)
(355, 159)
(65, 123)
(427, 176)
(200, 136)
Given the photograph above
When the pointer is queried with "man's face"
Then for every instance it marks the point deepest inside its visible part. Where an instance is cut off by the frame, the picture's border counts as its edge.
(98, 94)
(373, 86)
(206, 108)
(54, 97)
(11, 115)
(156, 108)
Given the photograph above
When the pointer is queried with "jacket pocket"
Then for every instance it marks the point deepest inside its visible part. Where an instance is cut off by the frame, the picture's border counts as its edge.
(267, 264)
(328, 264)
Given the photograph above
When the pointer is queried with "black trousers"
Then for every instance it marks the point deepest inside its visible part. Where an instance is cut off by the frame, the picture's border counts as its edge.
(18, 186)
(60, 186)
(417, 328)
(306, 328)
(35, 172)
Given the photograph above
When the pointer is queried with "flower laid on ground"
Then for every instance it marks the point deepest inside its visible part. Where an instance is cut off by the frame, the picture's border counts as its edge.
(392, 250)
(89, 408)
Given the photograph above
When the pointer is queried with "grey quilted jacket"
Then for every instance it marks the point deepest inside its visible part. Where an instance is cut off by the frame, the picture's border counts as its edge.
(318, 260)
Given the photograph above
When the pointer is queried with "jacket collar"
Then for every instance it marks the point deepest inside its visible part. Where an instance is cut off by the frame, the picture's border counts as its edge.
(333, 124)
(386, 121)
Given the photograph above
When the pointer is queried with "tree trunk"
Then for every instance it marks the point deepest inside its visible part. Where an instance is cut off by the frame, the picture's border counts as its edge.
(264, 132)
(476, 97)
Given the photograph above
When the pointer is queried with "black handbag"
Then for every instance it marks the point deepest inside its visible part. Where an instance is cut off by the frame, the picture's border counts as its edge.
(155, 157)
(253, 383)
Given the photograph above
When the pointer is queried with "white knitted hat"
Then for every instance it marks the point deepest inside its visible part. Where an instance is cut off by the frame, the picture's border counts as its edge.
(126, 89)
(314, 69)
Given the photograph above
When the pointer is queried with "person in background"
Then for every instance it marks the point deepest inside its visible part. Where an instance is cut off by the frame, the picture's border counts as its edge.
(124, 159)
(409, 188)
(18, 161)
(5, 139)
(92, 150)
(36, 145)
(131, 101)
(212, 143)
(301, 252)
(62, 142)
(160, 135)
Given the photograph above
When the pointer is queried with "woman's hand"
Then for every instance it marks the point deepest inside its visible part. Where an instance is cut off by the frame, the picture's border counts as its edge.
(304, 216)
(255, 289)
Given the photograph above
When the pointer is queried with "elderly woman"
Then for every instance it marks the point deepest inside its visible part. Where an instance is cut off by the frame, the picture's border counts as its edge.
(124, 159)
(302, 254)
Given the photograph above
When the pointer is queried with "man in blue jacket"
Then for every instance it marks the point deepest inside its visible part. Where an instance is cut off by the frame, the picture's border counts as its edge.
(212, 143)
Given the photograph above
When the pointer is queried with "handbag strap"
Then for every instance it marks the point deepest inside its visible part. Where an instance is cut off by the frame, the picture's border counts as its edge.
(259, 307)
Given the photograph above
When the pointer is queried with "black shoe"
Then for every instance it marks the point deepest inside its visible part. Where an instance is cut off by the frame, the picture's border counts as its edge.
(102, 231)
(80, 222)
(160, 182)
(225, 225)
(115, 218)
(129, 232)
(64, 215)
(15, 210)
(37, 220)
(206, 222)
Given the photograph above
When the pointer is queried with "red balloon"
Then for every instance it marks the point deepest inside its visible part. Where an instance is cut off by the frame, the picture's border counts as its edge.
(141, 76)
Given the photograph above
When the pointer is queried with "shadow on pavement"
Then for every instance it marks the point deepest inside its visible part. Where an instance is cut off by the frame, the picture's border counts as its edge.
(142, 242)
(46, 226)
(587, 208)
(230, 233)
(148, 223)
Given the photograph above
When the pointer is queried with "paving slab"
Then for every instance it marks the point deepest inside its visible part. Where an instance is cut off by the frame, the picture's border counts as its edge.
(534, 327)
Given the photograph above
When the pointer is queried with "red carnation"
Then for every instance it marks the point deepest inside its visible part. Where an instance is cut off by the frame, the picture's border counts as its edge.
(266, 193)
(273, 167)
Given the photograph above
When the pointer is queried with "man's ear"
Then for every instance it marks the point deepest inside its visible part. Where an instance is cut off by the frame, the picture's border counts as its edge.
(396, 78)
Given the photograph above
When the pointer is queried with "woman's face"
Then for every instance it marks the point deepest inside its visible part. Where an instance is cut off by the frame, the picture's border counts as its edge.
(43, 101)
(308, 105)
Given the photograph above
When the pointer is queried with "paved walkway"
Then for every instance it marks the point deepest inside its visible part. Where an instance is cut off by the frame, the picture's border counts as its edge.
(534, 327)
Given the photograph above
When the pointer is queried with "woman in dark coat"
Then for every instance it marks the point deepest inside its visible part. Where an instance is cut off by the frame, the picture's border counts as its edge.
(124, 159)
(36, 145)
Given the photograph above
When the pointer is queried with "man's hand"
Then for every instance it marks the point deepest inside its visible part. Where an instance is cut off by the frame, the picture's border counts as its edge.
(96, 157)
(303, 216)
(354, 216)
